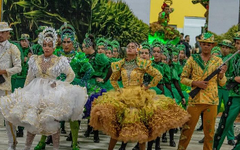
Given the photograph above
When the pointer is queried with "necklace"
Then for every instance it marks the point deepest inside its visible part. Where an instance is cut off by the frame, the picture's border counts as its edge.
(129, 66)
(46, 63)
(47, 59)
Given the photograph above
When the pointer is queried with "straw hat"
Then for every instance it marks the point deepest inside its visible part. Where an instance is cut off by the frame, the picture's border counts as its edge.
(4, 27)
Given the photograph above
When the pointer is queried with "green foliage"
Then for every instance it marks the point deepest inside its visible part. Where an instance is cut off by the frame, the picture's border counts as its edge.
(229, 35)
(115, 19)
(25, 16)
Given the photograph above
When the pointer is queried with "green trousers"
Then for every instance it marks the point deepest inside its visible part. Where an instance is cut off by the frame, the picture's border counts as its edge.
(231, 112)
(237, 145)
(223, 95)
(74, 125)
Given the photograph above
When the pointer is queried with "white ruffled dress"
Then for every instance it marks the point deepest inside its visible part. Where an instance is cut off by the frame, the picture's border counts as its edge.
(44, 101)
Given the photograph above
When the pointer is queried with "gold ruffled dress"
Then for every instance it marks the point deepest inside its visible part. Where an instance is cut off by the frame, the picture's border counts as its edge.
(133, 113)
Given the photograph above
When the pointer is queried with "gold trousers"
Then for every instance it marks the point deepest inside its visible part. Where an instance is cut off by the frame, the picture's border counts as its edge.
(209, 117)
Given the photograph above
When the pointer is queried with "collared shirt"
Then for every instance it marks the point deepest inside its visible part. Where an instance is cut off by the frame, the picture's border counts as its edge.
(10, 60)
(234, 71)
(3, 45)
(196, 70)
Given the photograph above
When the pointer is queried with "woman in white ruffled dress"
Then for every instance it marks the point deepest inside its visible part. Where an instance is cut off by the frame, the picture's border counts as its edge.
(44, 101)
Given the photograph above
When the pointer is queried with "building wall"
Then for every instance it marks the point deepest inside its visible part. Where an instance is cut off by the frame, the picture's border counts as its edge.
(140, 8)
(182, 8)
(223, 15)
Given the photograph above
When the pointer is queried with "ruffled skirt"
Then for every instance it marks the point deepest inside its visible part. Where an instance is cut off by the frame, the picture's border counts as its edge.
(135, 114)
(42, 104)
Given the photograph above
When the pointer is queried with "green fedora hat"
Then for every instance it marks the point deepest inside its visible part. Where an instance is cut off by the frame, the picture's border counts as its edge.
(207, 38)
(227, 43)
(25, 36)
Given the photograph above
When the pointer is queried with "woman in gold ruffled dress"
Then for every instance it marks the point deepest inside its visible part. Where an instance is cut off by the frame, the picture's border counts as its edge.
(135, 113)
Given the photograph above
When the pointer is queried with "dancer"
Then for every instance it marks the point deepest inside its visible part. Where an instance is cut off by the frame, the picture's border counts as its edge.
(44, 101)
(197, 68)
(124, 113)
(10, 64)
(18, 80)
(232, 108)
(83, 71)
(100, 64)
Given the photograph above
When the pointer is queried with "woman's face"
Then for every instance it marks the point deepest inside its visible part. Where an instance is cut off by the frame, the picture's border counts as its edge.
(144, 54)
(157, 53)
(182, 55)
(67, 45)
(175, 58)
(101, 49)
(48, 48)
(131, 49)
(109, 53)
(164, 59)
(115, 53)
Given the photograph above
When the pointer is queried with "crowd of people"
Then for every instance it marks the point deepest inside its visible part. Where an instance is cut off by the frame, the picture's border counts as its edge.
(133, 93)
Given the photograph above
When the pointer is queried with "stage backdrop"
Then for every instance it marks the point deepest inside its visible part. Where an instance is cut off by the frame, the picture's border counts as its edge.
(25, 16)
(109, 18)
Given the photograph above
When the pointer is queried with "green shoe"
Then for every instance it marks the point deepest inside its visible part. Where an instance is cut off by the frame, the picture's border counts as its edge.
(75, 147)
(40, 146)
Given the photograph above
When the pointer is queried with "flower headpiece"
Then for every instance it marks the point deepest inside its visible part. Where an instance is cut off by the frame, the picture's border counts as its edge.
(67, 31)
(109, 45)
(116, 44)
(102, 42)
(175, 51)
(181, 47)
(48, 34)
(87, 41)
(157, 43)
(216, 50)
(146, 45)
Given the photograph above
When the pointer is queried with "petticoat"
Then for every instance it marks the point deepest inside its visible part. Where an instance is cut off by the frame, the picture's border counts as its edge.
(135, 114)
(42, 104)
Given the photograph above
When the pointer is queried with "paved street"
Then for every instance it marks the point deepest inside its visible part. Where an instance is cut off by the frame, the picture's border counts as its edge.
(87, 143)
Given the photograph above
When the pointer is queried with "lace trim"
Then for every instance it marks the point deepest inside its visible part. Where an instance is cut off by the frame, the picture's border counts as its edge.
(32, 65)
(60, 66)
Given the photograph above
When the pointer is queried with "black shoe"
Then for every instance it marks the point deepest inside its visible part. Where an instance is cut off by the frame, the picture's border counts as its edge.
(96, 137)
(231, 142)
(136, 147)
(87, 134)
(201, 141)
(69, 138)
(157, 148)
(63, 131)
(176, 130)
(49, 140)
(89, 131)
(157, 144)
(200, 128)
(19, 133)
(164, 139)
(96, 140)
(172, 144)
